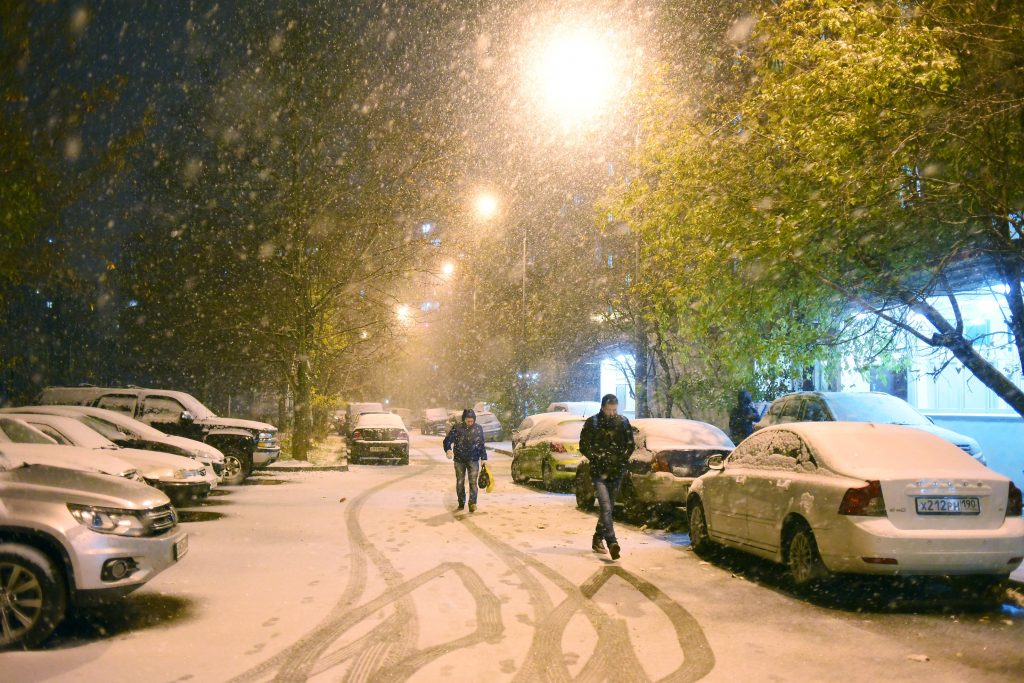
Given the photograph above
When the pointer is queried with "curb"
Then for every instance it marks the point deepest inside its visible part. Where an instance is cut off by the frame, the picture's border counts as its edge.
(342, 467)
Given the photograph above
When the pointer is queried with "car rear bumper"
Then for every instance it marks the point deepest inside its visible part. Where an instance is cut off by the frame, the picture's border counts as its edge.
(151, 556)
(380, 451)
(920, 552)
(661, 487)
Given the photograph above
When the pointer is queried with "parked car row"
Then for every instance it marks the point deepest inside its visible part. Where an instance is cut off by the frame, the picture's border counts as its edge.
(89, 482)
(821, 487)
(246, 445)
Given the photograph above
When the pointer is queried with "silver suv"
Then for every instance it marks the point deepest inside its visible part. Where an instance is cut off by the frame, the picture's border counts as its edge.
(75, 538)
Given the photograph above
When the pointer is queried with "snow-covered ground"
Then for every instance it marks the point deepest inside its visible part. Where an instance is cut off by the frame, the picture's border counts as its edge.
(370, 575)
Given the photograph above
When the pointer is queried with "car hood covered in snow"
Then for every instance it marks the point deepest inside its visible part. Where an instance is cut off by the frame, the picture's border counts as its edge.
(655, 435)
(235, 422)
(87, 488)
(67, 457)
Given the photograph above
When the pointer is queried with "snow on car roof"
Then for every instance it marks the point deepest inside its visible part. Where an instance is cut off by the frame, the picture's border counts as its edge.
(546, 424)
(436, 413)
(659, 434)
(380, 420)
(868, 450)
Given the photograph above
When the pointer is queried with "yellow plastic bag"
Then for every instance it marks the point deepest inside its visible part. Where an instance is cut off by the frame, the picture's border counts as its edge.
(486, 480)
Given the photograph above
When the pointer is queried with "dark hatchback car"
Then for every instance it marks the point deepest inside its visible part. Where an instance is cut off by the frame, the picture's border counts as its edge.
(380, 438)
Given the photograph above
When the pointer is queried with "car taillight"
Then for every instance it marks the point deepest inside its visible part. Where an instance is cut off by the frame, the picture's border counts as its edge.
(1014, 502)
(864, 501)
(558, 448)
(357, 435)
(660, 463)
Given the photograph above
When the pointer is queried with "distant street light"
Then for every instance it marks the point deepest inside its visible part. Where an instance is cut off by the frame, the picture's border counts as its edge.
(486, 206)
(447, 269)
(404, 314)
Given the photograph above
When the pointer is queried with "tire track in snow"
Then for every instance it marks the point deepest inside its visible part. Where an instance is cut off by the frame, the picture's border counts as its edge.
(386, 652)
(614, 657)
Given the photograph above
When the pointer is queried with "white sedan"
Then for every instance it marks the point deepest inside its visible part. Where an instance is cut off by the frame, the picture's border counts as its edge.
(859, 498)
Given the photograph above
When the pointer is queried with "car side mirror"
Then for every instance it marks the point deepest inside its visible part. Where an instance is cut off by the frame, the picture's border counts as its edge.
(187, 416)
(716, 462)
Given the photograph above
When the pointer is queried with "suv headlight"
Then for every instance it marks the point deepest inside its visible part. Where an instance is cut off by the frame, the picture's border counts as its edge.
(109, 520)
(265, 436)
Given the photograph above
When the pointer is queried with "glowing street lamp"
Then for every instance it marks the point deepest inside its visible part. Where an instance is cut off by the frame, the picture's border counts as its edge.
(447, 269)
(404, 314)
(577, 73)
(486, 206)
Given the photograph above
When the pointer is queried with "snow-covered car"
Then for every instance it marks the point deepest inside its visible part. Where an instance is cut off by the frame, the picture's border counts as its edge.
(246, 444)
(128, 432)
(521, 433)
(584, 408)
(434, 421)
(72, 538)
(859, 498)
(354, 410)
(490, 424)
(28, 447)
(863, 406)
(670, 454)
(184, 480)
(379, 437)
(550, 451)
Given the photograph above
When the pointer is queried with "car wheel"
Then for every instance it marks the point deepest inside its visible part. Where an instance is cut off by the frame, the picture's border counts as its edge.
(585, 496)
(547, 475)
(32, 596)
(236, 467)
(803, 559)
(700, 540)
(517, 471)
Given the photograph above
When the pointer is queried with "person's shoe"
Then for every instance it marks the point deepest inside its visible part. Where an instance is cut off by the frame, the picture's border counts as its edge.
(614, 550)
(462, 506)
(472, 507)
(598, 546)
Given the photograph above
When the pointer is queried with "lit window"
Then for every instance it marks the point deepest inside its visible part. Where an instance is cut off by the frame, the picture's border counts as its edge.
(49, 304)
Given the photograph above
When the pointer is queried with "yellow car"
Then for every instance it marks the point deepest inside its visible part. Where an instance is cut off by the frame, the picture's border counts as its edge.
(549, 450)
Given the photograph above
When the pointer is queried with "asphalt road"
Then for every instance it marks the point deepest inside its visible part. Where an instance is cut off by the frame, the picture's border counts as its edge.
(369, 575)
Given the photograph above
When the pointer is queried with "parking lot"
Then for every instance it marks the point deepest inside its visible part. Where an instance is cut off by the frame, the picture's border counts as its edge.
(369, 575)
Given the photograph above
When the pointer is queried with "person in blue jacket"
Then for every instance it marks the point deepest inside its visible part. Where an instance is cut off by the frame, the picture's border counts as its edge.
(465, 445)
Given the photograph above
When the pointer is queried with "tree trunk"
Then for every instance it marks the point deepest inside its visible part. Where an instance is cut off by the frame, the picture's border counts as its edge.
(960, 347)
(303, 401)
(641, 372)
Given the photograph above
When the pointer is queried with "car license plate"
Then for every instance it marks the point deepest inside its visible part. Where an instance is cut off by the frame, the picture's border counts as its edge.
(378, 449)
(948, 505)
(181, 549)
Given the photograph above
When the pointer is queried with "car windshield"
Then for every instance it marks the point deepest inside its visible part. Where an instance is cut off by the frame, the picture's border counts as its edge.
(879, 408)
(19, 432)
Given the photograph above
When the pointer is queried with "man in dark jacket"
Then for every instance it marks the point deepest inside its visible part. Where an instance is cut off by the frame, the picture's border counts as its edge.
(742, 417)
(607, 442)
(465, 445)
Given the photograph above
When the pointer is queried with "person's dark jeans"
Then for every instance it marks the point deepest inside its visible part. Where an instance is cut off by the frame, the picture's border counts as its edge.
(472, 468)
(606, 489)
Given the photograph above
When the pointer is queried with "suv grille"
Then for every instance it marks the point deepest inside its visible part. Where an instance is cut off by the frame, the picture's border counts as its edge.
(160, 520)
